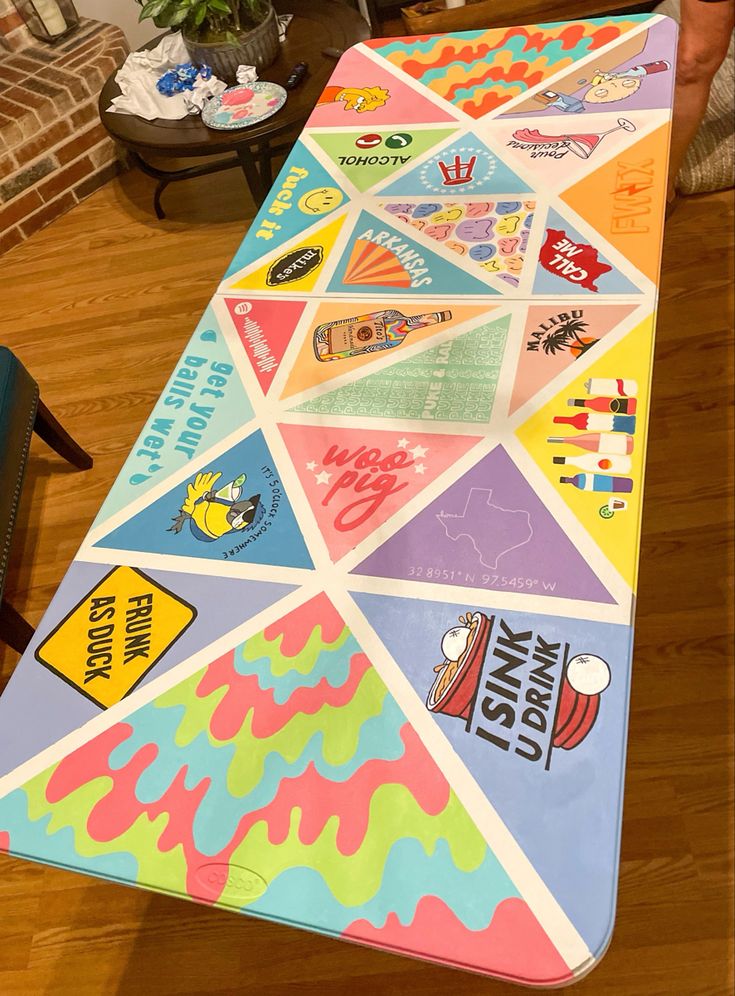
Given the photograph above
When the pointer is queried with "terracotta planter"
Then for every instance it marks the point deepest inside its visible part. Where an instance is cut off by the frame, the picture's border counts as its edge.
(259, 48)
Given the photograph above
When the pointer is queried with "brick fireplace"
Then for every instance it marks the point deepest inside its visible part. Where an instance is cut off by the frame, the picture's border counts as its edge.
(53, 150)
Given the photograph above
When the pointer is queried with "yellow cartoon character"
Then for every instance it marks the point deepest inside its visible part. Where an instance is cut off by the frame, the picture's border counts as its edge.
(360, 99)
(212, 514)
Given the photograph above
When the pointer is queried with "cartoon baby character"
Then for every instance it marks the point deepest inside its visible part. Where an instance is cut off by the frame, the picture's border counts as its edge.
(605, 88)
(212, 514)
(609, 87)
(360, 99)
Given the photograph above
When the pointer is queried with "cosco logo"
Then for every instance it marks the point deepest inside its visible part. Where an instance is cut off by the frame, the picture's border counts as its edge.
(231, 881)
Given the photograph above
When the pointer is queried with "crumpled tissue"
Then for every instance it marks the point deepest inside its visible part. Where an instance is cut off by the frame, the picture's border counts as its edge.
(139, 74)
(246, 74)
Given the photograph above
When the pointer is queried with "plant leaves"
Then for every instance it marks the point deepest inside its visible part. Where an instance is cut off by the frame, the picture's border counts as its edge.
(153, 8)
(179, 16)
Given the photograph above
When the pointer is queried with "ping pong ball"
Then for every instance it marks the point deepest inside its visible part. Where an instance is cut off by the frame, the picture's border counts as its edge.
(454, 642)
(588, 674)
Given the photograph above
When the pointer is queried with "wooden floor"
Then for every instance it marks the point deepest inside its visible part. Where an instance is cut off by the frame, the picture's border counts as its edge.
(99, 307)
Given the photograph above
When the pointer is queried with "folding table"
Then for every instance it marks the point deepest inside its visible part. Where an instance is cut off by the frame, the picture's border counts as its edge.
(348, 645)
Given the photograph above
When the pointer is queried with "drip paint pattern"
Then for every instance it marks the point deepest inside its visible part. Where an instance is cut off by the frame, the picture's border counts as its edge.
(480, 71)
(315, 660)
(286, 763)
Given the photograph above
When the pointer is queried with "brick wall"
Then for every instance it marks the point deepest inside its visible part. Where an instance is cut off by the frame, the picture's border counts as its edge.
(14, 35)
(53, 150)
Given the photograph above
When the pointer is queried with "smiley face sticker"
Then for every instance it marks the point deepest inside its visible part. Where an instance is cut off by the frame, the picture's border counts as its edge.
(494, 235)
(320, 201)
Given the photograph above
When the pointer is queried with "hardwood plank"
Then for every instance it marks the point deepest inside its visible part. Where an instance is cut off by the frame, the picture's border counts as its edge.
(99, 306)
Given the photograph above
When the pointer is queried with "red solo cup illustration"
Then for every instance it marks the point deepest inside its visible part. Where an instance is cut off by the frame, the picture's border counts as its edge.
(464, 648)
(586, 677)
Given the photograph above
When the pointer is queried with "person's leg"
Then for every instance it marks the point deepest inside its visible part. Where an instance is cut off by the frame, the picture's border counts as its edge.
(703, 42)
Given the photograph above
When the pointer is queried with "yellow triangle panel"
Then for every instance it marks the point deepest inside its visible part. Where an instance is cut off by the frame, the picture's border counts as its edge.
(604, 449)
(297, 267)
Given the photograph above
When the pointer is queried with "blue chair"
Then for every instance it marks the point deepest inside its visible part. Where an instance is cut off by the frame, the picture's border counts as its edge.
(21, 413)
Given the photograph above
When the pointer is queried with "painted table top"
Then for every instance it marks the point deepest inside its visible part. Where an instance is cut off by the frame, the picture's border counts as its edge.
(348, 645)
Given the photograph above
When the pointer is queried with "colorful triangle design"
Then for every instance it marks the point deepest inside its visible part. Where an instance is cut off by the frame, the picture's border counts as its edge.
(295, 269)
(611, 510)
(452, 382)
(337, 321)
(631, 76)
(367, 157)
(365, 91)
(380, 258)
(356, 479)
(464, 167)
(532, 704)
(567, 260)
(289, 755)
(166, 441)
(506, 62)
(558, 152)
(554, 339)
(58, 677)
(492, 236)
(624, 200)
(265, 329)
(488, 530)
(303, 193)
(234, 508)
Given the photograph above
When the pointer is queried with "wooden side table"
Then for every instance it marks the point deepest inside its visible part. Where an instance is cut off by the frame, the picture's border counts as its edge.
(433, 17)
(317, 26)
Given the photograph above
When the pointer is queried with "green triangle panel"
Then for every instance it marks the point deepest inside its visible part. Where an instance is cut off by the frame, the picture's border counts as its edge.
(369, 157)
(452, 382)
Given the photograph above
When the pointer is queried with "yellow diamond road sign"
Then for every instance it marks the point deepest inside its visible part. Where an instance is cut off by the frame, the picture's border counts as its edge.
(108, 642)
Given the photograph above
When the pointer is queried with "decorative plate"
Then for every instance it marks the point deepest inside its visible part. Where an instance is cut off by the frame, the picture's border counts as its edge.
(242, 106)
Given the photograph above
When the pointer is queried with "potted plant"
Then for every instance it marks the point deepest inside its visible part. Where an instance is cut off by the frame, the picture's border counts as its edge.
(222, 34)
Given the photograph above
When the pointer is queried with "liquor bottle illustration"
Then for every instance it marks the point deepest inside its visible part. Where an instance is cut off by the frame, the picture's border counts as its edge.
(623, 387)
(598, 442)
(369, 333)
(599, 422)
(621, 406)
(599, 482)
(607, 463)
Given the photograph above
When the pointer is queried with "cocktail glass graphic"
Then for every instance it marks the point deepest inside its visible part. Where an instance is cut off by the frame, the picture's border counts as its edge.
(584, 144)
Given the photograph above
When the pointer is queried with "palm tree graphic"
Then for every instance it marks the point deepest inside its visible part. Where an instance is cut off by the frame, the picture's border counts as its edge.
(569, 335)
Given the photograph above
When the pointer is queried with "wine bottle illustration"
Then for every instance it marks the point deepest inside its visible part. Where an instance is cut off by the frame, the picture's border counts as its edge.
(599, 422)
(598, 442)
(624, 388)
(599, 482)
(607, 463)
(369, 333)
(620, 406)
